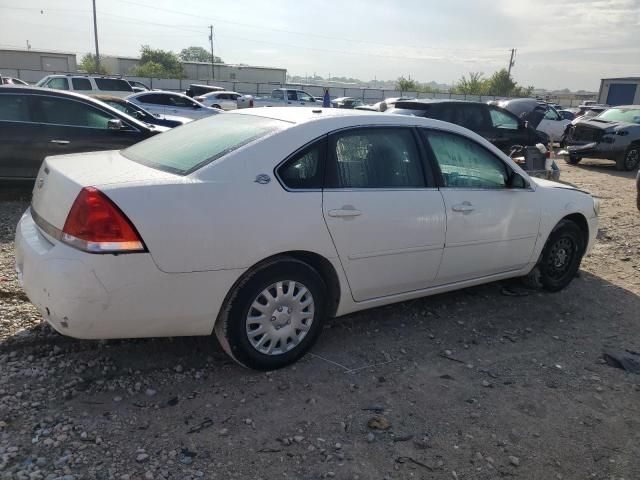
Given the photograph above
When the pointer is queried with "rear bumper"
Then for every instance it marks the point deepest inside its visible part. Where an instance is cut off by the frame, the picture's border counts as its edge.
(86, 295)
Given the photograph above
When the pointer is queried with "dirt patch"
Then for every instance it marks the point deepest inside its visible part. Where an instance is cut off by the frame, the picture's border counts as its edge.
(476, 384)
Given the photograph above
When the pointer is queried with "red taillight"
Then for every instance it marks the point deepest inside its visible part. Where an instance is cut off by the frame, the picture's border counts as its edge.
(95, 224)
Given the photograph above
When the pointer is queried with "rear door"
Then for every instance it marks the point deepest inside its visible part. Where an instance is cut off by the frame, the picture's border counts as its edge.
(384, 214)
(473, 116)
(20, 155)
(153, 102)
(71, 126)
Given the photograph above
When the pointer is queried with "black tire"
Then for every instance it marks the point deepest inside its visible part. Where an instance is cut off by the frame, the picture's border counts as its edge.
(561, 257)
(572, 160)
(231, 327)
(630, 159)
(217, 106)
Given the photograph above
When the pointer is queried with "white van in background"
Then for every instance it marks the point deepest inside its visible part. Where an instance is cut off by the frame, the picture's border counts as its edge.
(87, 84)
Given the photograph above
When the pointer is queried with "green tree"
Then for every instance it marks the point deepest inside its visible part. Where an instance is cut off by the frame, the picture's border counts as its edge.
(475, 84)
(89, 65)
(197, 54)
(406, 85)
(158, 63)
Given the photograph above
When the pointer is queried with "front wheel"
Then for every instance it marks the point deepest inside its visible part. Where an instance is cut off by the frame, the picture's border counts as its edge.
(573, 160)
(274, 316)
(561, 257)
(630, 159)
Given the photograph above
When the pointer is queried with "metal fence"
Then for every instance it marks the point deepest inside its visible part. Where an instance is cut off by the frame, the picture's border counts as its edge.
(368, 95)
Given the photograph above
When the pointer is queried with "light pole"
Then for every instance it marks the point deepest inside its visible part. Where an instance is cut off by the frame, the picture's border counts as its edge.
(95, 32)
(213, 74)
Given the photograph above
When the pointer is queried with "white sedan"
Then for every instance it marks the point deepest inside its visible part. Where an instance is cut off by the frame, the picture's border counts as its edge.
(258, 225)
(171, 103)
(223, 100)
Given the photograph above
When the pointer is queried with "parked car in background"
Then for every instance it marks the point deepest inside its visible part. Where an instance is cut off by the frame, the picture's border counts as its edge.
(222, 100)
(530, 109)
(38, 122)
(614, 135)
(171, 103)
(136, 111)
(280, 97)
(346, 102)
(258, 225)
(384, 104)
(138, 86)
(196, 90)
(87, 84)
(12, 81)
(567, 114)
(499, 126)
(588, 111)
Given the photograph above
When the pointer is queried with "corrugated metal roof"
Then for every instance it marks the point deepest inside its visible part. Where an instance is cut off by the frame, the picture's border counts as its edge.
(637, 79)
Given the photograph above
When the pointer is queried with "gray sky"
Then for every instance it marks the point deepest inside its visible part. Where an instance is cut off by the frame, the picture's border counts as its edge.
(561, 43)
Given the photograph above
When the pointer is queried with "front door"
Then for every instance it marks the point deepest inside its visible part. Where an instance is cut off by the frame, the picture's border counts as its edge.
(385, 217)
(491, 227)
(507, 130)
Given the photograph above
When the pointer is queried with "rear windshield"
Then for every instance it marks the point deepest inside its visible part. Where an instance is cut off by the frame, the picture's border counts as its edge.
(191, 146)
(113, 85)
(630, 115)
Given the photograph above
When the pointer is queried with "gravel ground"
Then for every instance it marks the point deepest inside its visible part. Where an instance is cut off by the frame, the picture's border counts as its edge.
(489, 382)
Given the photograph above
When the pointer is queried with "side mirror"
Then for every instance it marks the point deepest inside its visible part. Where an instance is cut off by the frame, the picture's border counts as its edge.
(115, 124)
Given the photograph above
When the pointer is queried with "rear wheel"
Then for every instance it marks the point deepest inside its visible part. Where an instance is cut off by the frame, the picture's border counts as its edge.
(217, 106)
(630, 159)
(274, 316)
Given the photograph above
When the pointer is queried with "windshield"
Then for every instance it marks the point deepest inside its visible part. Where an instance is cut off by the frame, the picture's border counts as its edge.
(629, 115)
(188, 148)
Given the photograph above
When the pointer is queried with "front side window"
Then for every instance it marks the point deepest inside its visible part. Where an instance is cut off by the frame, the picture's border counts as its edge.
(465, 164)
(304, 170)
(374, 158)
(178, 101)
(501, 119)
(58, 83)
(291, 95)
(81, 84)
(304, 97)
(14, 108)
(153, 99)
(551, 114)
(185, 149)
(61, 111)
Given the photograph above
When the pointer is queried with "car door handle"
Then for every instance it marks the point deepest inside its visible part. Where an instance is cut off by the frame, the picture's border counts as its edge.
(463, 207)
(345, 211)
(60, 142)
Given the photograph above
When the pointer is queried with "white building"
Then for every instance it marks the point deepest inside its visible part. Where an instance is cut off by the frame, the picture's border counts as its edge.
(620, 91)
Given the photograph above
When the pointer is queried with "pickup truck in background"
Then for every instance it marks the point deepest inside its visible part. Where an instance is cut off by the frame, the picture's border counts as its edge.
(280, 97)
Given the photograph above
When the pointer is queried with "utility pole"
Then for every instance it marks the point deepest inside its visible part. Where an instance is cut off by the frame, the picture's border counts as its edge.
(213, 74)
(95, 32)
(511, 62)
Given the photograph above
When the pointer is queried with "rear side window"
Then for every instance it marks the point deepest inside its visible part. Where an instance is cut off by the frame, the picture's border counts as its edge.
(60, 111)
(113, 84)
(188, 148)
(81, 84)
(374, 158)
(471, 116)
(502, 119)
(178, 101)
(277, 94)
(154, 99)
(14, 108)
(304, 171)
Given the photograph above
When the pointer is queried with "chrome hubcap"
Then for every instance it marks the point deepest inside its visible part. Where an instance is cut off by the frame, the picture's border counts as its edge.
(280, 317)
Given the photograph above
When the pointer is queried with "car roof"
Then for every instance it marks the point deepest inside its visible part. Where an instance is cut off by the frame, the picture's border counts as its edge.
(428, 101)
(165, 92)
(622, 106)
(108, 98)
(218, 92)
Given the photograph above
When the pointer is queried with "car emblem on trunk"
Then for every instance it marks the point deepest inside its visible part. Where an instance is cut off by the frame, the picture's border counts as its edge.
(262, 179)
(40, 183)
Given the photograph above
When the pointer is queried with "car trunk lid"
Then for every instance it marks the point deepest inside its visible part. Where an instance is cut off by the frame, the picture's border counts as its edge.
(61, 178)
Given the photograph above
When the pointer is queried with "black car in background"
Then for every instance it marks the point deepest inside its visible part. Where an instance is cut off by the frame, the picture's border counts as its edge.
(347, 102)
(500, 127)
(196, 90)
(140, 113)
(39, 122)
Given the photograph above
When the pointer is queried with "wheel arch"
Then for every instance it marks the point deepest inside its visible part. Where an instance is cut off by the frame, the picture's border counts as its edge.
(580, 220)
(316, 261)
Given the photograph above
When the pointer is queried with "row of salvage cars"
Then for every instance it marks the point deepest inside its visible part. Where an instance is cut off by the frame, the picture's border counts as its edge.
(258, 224)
